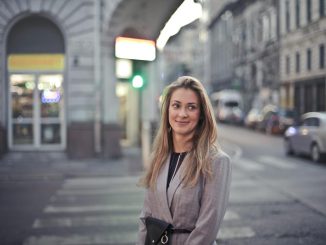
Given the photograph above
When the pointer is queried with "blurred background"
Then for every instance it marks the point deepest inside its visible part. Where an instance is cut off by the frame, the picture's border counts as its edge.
(80, 90)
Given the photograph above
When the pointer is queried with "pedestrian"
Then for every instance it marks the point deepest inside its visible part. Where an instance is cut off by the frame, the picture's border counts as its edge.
(188, 180)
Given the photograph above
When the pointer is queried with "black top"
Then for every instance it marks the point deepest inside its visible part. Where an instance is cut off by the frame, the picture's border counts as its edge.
(175, 163)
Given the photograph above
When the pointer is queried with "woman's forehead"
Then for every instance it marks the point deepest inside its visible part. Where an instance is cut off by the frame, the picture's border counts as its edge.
(185, 94)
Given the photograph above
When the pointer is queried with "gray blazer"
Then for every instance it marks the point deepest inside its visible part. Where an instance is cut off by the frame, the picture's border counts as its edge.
(200, 208)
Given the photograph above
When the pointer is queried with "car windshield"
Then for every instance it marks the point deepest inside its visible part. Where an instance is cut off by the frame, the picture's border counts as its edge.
(232, 104)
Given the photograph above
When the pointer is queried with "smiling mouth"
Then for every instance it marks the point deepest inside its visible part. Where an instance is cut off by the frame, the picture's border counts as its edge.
(182, 122)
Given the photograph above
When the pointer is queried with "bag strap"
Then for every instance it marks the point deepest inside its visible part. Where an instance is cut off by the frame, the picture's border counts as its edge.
(175, 231)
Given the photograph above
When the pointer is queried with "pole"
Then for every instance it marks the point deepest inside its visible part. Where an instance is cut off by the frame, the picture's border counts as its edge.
(97, 77)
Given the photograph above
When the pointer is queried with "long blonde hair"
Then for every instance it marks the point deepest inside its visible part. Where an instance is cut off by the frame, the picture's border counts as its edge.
(204, 141)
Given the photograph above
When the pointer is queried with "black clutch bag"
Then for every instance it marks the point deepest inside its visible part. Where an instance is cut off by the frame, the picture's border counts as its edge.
(158, 231)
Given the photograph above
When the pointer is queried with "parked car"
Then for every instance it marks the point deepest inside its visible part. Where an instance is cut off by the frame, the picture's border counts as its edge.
(287, 118)
(275, 120)
(309, 137)
(252, 118)
(268, 121)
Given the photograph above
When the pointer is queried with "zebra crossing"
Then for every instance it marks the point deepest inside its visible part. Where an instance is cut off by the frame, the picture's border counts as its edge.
(91, 211)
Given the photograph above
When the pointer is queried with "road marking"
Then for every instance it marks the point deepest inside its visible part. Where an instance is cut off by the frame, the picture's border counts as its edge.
(98, 191)
(230, 215)
(96, 220)
(276, 162)
(235, 232)
(89, 183)
(122, 237)
(93, 208)
(248, 164)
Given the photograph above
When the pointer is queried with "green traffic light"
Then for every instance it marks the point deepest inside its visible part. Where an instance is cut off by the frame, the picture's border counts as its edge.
(137, 81)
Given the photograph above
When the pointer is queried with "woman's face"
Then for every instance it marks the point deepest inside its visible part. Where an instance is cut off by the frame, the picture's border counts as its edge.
(184, 112)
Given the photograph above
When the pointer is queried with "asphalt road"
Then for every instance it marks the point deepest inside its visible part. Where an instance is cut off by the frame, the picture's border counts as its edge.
(274, 200)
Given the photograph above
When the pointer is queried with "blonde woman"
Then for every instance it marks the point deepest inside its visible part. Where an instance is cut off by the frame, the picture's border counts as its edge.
(188, 181)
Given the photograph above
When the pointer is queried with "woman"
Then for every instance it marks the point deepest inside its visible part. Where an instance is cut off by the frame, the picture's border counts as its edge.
(187, 183)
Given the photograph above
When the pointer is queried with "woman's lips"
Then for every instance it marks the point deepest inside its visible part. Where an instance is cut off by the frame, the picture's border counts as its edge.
(181, 122)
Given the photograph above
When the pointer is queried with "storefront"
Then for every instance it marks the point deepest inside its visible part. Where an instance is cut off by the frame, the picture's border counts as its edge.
(35, 85)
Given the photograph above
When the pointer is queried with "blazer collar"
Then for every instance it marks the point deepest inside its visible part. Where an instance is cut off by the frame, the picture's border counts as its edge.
(161, 188)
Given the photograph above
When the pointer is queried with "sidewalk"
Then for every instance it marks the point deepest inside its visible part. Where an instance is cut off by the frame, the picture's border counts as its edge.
(16, 166)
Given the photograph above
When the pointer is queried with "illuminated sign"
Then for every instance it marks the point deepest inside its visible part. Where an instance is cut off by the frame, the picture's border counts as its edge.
(123, 68)
(135, 49)
(49, 97)
(36, 62)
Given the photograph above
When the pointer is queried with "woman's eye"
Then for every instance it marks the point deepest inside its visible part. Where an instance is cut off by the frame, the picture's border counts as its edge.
(191, 107)
(175, 105)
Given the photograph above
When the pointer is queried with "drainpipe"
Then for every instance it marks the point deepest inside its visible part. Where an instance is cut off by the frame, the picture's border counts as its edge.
(97, 77)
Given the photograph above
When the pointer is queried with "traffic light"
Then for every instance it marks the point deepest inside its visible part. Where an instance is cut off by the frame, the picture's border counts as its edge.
(138, 78)
(137, 81)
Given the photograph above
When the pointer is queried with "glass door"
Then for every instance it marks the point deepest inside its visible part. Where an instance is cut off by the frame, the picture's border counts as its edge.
(50, 109)
(22, 88)
(36, 112)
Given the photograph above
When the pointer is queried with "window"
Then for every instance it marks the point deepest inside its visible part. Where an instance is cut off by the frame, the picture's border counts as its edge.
(309, 59)
(322, 6)
(321, 102)
(297, 13)
(297, 62)
(287, 15)
(287, 64)
(321, 56)
(309, 11)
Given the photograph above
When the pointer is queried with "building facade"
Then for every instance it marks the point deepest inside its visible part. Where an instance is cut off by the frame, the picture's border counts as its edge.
(302, 54)
(245, 50)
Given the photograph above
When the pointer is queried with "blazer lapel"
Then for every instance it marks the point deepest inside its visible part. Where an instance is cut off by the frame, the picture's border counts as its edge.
(176, 181)
(161, 190)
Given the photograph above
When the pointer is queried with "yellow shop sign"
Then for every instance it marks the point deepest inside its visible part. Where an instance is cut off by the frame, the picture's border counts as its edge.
(36, 62)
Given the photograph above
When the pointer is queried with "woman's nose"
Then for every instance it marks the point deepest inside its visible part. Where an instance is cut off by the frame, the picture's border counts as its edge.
(183, 112)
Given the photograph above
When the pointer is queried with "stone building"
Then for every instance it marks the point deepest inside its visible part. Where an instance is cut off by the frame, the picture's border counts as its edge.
(302, 54)
(57, 73)
(244, 50)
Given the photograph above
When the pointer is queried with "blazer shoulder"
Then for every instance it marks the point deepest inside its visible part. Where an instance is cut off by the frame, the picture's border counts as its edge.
(221, 157)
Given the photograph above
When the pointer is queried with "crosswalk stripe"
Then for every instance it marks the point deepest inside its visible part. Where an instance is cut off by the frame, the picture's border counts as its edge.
(122, 237)
(93, 208)
(276, 162)
(98, 220)
(235, 232)
(101, 191)
(230, 215)
(95, 182)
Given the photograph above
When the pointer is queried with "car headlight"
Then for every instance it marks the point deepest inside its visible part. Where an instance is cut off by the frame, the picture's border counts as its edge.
(290, 131)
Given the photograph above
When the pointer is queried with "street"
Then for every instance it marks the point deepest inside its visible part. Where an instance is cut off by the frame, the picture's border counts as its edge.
(274, 200)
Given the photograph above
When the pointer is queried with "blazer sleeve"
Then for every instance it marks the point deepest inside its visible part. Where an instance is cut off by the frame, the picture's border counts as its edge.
(213, 203)
(141, 223)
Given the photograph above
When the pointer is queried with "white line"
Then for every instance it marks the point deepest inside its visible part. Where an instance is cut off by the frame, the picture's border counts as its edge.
(121, 237)
(105, 191)
(230, 215)
(93, 208)
(94, 182)
(248, 164)
(99, 220)
(235, 232)
(276, 162)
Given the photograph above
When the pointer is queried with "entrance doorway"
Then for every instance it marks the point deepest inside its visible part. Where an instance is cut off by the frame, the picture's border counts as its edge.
(36, 111)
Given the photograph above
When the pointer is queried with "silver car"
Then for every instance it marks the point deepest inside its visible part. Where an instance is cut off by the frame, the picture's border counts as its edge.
(309, 137)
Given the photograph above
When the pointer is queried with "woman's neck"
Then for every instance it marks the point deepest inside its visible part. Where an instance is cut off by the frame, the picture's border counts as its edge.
(182, 143)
